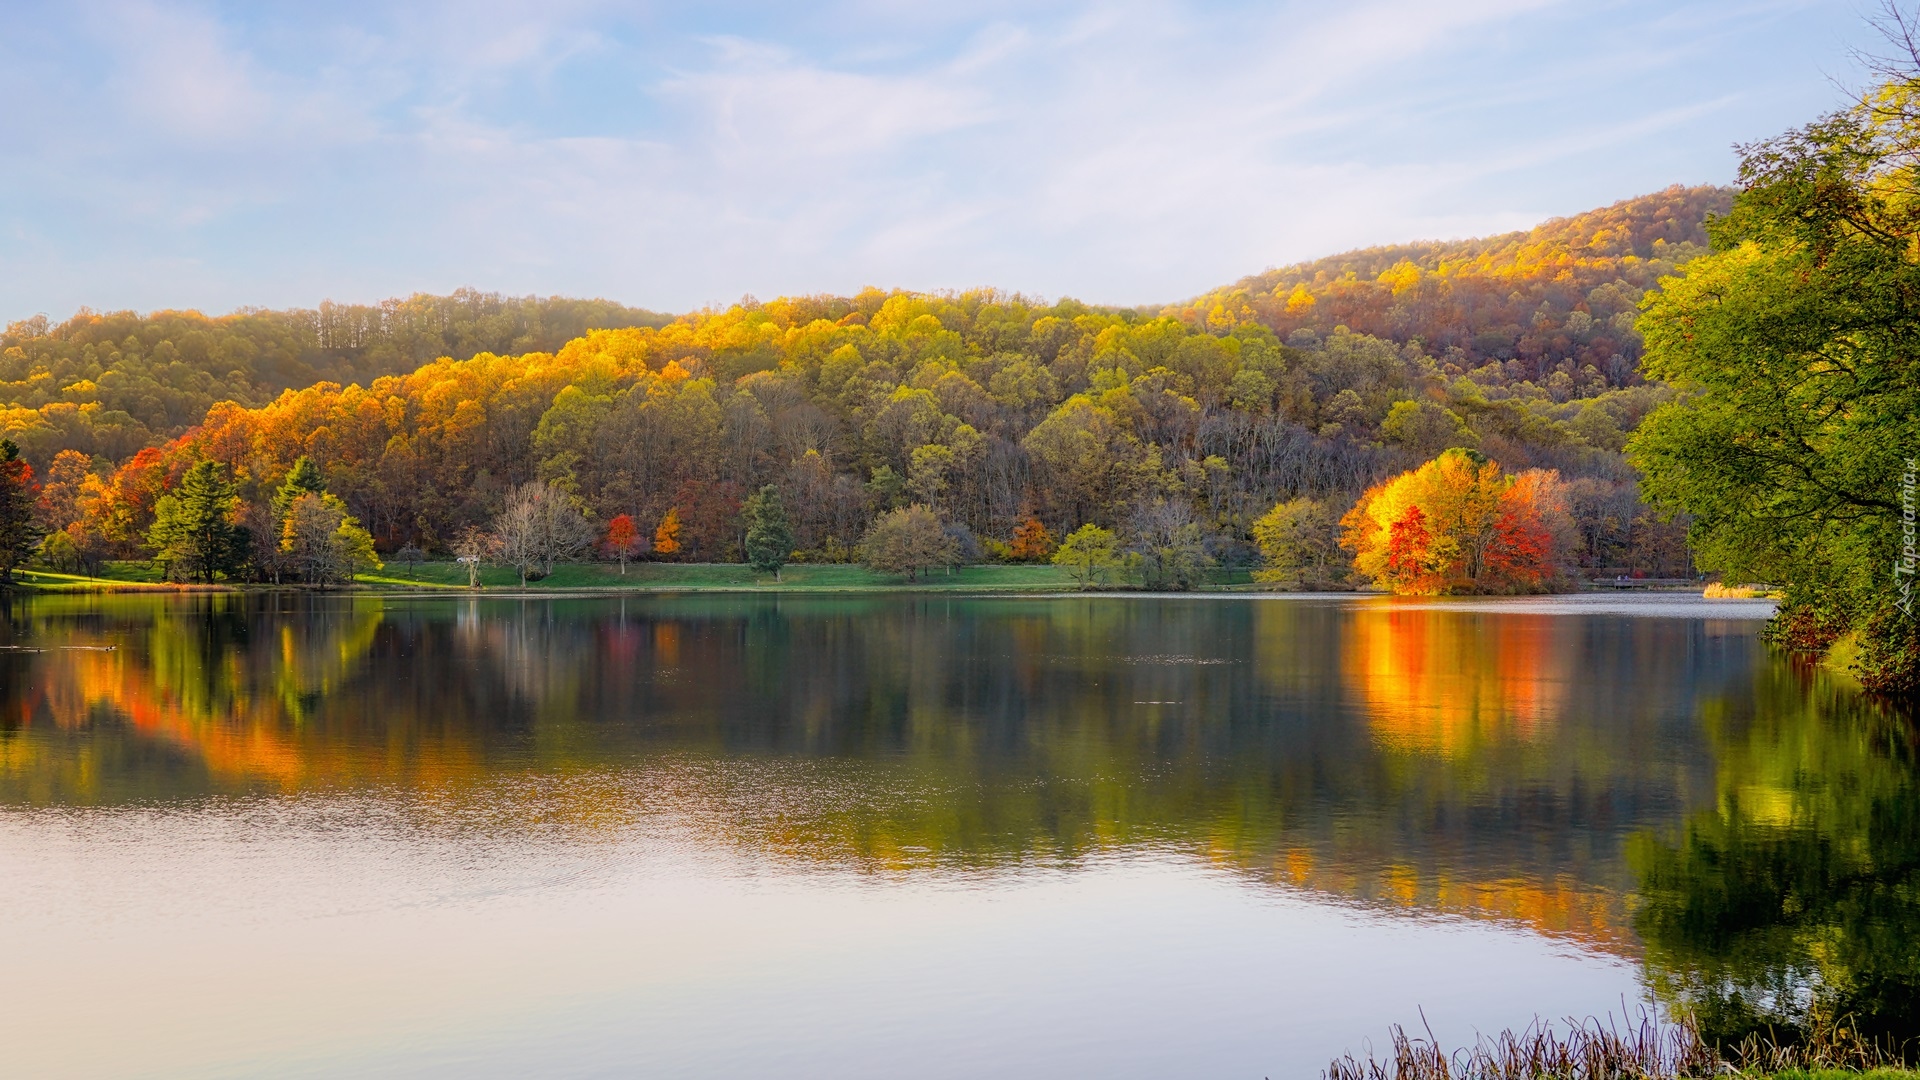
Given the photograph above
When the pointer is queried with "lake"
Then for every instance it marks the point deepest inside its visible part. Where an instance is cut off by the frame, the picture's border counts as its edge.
(908, 835)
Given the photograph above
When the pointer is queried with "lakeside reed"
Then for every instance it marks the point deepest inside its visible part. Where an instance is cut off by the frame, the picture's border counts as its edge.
(1647, 1049)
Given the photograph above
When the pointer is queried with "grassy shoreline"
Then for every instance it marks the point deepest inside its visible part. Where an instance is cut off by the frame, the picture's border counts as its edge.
(437, 577)
(655, 577)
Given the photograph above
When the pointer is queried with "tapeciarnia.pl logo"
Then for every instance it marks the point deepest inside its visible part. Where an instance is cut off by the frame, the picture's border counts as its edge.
(1903, 567)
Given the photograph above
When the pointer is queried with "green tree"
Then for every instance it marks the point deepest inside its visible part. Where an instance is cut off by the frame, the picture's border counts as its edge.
(270, 553)
(322, 542)
(57, 551)
(193, 533)
(1425, 428)
(18, 533)
(906, 541)
(769, 534)
(1299, 542)
(1793, 439)
(303, 479)
(1088, 552)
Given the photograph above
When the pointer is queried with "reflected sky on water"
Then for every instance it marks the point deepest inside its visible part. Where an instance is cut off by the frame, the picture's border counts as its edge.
(869, 835)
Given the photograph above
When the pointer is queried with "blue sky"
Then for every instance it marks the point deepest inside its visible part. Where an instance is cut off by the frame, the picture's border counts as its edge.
(670, 156)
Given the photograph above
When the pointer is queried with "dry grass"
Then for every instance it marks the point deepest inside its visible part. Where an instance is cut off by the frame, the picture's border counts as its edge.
(1719, 591)
(1650, 1049)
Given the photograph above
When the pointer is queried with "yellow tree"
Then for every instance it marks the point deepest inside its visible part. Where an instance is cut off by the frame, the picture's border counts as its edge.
(666, 538)
(1459, 524)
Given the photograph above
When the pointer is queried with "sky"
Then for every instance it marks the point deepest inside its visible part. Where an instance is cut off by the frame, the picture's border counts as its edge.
(673, 156)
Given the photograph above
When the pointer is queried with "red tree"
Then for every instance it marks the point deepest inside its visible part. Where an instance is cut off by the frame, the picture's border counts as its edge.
(1410, 551)
(623, 540)
(1518, 554)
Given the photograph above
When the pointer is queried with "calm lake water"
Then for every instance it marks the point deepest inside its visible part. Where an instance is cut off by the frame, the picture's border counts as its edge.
(914, 836)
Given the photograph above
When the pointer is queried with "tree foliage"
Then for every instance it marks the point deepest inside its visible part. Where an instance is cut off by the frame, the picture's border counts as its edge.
(1032, 541)
(1461, 524)
(110, 383)
(1794, 350)
(321, 543)
(1555, 305)
(1010, 417)
(1090, 553)
(622, 540)
(1299, 542)
(769, 540)
(1168, 545)
(666, 537)
(194, 534)
(907, 541)
(18, 532)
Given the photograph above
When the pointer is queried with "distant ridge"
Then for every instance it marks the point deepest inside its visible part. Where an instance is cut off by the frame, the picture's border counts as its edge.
(1507, 298)
(131, 379)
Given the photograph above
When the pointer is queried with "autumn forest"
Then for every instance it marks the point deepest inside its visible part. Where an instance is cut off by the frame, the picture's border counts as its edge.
(1232, 431)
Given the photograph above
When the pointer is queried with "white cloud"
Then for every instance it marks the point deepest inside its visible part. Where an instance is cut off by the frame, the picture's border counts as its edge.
(1118, 152)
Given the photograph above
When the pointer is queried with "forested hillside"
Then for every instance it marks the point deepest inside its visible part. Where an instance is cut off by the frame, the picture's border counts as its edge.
(1015, 421)
(109, 384)
(1554, 306)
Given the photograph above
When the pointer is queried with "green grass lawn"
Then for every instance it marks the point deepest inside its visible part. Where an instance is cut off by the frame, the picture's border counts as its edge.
(831, 577)
(802, 577)
(112, 576)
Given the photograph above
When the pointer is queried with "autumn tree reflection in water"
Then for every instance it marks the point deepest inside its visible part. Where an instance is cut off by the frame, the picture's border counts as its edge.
(1795, 895)
(1433, 756)
(1447, 682)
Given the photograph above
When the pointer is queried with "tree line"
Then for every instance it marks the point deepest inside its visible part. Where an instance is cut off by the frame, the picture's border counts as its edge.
(989, 410)
(110, 384)
(1006, 418)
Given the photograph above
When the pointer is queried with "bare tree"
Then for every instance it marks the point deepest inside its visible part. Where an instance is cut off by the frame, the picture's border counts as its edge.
(541, 526)
(473, 548)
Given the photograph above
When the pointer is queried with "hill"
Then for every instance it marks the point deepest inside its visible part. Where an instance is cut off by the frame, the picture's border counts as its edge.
(1000, 411)
(110, 384)
(1558, 298)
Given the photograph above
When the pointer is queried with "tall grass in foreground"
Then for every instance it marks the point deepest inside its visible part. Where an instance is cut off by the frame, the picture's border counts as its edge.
(1650, 1049)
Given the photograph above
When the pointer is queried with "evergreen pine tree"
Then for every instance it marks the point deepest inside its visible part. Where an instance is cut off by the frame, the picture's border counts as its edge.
(193, 530)
(18, 533)
(769, 535)
(303, 479)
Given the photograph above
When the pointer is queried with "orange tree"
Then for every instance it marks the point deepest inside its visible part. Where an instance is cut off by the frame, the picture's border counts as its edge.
(1460, 524)
(1032, 542)
(666, 538)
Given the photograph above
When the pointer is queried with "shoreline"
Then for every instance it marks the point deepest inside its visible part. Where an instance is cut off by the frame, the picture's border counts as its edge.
(437, 579)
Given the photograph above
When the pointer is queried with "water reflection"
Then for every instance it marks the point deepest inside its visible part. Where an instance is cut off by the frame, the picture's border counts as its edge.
(1617, 781)
(1797, 892)
(1447, 682)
